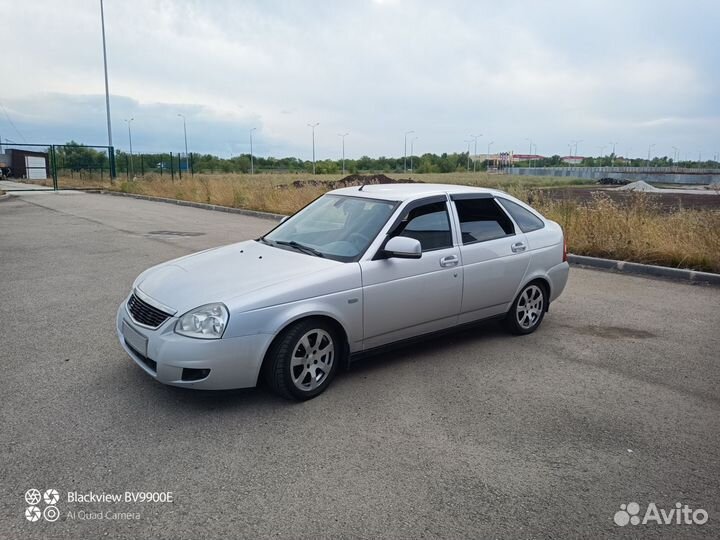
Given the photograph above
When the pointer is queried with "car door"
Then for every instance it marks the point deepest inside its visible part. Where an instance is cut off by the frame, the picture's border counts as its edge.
(495, 256)
(407, 297)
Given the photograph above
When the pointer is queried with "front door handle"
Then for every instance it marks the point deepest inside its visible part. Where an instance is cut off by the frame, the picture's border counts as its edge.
(450, 260)
(518, 247)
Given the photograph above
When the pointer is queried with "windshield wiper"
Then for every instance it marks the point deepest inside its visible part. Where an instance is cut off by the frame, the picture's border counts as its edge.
(300, 247)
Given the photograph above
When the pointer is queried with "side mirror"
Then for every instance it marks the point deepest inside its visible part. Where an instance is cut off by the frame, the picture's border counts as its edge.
(283, 220)
(403, 247)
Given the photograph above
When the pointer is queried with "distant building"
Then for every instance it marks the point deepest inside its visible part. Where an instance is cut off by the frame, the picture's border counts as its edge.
(26, 164)
(526, 157)
(573, 160)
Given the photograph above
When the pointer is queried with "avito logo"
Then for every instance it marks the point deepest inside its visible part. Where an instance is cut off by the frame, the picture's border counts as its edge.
(679, 515)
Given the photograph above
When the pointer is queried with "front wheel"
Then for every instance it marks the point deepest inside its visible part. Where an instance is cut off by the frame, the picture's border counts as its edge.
(528, 310)
(303, 360)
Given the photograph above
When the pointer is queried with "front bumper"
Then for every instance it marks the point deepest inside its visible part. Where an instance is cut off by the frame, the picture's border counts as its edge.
(233, 362)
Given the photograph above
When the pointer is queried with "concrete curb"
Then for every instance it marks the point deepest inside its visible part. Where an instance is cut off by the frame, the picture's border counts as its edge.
(203, 206)
(678, 274)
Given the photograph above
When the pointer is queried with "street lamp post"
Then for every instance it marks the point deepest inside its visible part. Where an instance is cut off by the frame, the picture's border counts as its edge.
(405, 151)
(313, 126)
(412, 152)
(488, 152)
(252, 163)
(475, 138)
(676, 155)
(132, 167)
(111, 153)
(468, 154)
(187, 162)
(650, 147)
(531, 145)
(576, 146)
(612, 162)
(343, 135)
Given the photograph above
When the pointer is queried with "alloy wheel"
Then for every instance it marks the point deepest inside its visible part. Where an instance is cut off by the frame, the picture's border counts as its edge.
(312, 359)
(530, 306)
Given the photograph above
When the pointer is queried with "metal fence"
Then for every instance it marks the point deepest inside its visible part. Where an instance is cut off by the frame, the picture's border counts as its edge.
(49, 166)
(42, 165)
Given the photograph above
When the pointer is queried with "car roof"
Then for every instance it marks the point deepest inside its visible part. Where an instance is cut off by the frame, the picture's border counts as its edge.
(404, 192)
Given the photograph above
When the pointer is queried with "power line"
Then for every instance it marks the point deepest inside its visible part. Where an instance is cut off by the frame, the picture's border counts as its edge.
(11, 122)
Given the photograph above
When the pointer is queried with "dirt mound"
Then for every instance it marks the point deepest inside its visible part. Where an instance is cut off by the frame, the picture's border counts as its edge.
(349, 181)
(638, 186)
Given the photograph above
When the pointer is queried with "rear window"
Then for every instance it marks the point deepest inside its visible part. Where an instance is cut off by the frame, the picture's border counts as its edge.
(526, 220)
(482, 220)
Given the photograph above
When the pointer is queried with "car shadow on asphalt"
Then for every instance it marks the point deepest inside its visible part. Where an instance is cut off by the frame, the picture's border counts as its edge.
(424, 349)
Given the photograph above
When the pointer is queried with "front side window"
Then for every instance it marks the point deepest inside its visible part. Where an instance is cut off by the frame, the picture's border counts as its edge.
(526, 220)
(430, 224)
(482, 220)
(334, 226)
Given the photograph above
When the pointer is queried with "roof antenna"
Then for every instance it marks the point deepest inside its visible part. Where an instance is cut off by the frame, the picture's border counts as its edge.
(361, 187)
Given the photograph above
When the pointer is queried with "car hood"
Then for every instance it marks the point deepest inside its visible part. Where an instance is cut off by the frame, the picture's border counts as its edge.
(226, 273)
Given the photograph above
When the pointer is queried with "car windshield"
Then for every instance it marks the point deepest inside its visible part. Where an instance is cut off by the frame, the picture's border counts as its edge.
(333, 226)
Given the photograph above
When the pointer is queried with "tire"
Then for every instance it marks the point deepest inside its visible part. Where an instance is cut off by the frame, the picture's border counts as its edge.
(528, 309)
(303, 360)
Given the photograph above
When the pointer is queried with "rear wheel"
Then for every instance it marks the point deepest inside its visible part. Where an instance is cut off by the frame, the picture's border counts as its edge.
(303, 360)
(528, 310)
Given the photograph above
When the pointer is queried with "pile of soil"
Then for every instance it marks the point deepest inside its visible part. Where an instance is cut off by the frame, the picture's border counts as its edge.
(349, 181)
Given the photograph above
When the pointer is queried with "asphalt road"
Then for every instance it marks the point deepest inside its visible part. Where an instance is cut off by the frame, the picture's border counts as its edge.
(616, 399)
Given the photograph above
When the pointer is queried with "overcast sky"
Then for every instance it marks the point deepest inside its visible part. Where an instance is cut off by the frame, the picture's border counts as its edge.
(634, 72)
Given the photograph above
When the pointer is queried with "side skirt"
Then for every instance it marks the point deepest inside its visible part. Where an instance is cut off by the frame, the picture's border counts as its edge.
(418, 339)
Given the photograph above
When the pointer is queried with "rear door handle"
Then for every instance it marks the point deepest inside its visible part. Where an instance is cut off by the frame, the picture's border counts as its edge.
(450, 260)
(518, 247)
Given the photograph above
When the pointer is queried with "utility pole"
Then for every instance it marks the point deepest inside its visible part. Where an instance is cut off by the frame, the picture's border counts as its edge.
(405, 151)
(132, 166)
(676, 153)
(343, 135)
(650, 147)
(488, 153)
(111, 153)
(252, 164)
(313, 126)
(187, 162)
(475, 138)
(468, 154)
(412, 153)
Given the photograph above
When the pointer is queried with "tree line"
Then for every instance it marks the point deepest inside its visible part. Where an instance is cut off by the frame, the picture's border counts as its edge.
(75, 156)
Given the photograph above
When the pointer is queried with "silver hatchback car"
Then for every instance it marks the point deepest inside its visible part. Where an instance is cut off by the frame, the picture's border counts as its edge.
(357, 269)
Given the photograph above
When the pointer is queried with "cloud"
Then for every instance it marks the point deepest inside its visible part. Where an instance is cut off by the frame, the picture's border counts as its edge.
(572, 70)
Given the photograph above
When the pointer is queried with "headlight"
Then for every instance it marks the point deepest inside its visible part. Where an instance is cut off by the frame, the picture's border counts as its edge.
(205, 322)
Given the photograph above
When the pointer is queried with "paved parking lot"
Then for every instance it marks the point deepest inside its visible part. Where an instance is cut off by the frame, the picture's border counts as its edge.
(616, 399)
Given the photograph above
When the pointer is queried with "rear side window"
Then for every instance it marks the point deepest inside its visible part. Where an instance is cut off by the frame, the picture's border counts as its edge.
(481, 220)
(526, 220)
(429, 224)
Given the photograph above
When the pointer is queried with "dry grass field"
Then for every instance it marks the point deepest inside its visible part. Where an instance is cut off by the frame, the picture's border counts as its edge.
(636, 230)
